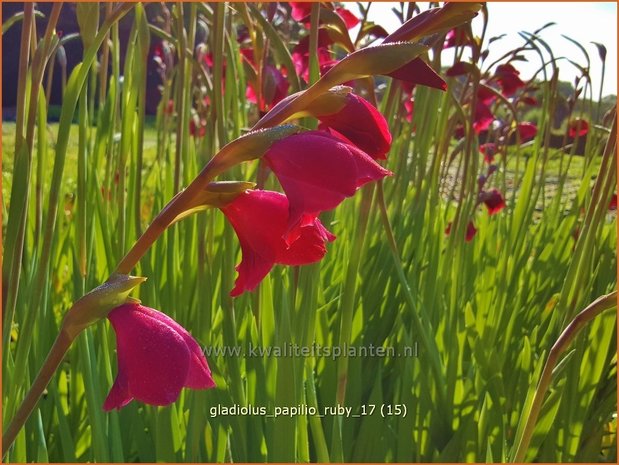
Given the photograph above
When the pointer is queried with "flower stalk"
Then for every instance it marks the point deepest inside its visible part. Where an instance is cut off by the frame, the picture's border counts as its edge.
(581, 320)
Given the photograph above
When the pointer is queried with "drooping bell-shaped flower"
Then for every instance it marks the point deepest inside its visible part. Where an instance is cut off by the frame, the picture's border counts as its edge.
(508, 78)
(157, 357)
(318, 171)
(493, 200)
(362, 124)
(260, 219)
(577, 127)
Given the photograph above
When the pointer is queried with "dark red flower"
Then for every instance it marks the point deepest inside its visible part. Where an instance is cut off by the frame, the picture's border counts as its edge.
(157, 357)
(459, 131)
(577, 127)
(318, 171)
(493, 200)
(197, 130)
(458, 69)
(470, 231)
(613, 202)
(260, 219)
(483, 118)
(527, 131)
(362, 124)
(508, 78)
(528, 100)
(489, 151)
(485, 95)
(248, 54)
(169, 108)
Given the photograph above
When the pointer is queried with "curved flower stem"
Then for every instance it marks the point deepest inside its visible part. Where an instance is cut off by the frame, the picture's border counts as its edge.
(57, 352)
(166, 216)
(598, 306)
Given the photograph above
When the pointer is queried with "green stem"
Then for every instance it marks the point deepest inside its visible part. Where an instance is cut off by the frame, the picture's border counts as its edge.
(600, 305)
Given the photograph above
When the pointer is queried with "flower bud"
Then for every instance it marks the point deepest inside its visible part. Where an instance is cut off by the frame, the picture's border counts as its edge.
(97, 303)
(251, 146)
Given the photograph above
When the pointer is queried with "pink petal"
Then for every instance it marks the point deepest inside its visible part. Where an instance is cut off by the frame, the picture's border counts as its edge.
(349, 19)
(119, 394)
(199, 376)
(362, 124)
(259, 219)
(154, 357)
(419, 72)
(318, 171)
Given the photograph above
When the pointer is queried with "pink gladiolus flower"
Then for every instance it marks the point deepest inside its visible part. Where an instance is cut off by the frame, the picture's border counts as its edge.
(493, 200)
(527, 131)
(157, 357)
(577, 127)
(260, 219)
(318, 171)
(362, 124)
(508, 79)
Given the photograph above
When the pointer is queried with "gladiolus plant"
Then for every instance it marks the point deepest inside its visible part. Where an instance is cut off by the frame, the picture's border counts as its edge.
(290, 232)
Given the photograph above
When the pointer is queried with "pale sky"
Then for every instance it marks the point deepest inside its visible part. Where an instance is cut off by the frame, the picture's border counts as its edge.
(584, 22)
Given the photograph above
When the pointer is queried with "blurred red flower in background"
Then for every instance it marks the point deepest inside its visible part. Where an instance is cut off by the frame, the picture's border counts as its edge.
(508, 79)
(577, 127)
(493, 200)
(527, 131)
(470, 231)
